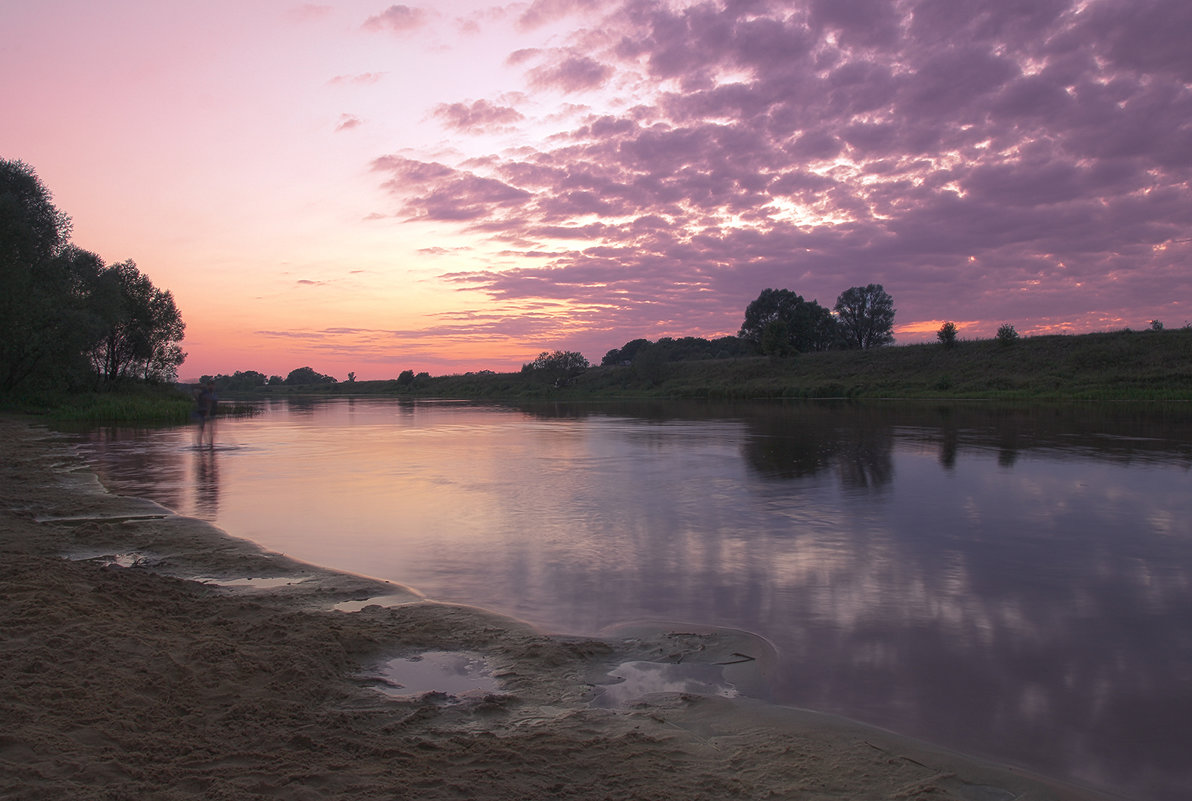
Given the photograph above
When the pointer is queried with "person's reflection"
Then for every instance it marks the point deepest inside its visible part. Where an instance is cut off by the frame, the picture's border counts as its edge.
(206, 484)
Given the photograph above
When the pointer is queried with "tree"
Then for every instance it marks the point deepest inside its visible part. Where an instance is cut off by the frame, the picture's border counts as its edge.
(1006, 335)
(947, 334)
(405, 378)
(567, 362)
(143, 328)
(62, 312)
(238, 382)
(866, 315)
(307, 375)
(33, 234)
(805, 325)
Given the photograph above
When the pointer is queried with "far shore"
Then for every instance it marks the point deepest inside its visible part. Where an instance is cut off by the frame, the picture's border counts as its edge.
(1114, 366)
(138, 660)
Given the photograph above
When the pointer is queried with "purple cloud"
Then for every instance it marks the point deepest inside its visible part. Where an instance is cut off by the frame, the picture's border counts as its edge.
(571, 74)
(1025, 161)
(397, 19)
(477, 116)
(347, 122)
(359, 79)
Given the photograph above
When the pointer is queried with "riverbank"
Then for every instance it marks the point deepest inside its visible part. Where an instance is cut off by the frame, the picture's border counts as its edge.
(146, 655)
(1123, 365)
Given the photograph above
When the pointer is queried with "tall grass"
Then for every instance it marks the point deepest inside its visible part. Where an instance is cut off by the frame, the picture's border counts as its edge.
(125, 409)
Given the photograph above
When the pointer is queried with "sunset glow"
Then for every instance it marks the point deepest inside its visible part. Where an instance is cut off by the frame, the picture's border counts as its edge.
(459, 185)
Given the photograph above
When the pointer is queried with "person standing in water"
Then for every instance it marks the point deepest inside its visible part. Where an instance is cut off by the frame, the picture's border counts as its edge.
(205, 401)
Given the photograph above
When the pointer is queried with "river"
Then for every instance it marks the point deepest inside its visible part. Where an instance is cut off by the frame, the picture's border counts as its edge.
(1009, 581)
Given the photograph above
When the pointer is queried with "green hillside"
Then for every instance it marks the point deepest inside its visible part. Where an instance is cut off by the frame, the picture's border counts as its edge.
(1124, 365)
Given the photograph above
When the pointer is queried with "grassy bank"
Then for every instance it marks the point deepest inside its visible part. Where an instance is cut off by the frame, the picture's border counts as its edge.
(1124, 365)
(135, 403)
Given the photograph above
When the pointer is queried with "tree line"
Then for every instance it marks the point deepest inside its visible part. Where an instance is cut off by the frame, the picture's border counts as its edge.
(67, 320)
(779, 322)
(247, 380)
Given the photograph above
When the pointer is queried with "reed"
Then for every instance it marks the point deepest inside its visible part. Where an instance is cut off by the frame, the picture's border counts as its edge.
(122, 408)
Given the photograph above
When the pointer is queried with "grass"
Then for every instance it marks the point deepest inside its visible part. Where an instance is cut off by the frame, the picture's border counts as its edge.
(132, 403)
(1123, 365)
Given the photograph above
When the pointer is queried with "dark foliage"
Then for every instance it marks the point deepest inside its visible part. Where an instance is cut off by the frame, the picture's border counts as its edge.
(668, 349)
(305, 376)
(866, 315)
(66, 320)
(780, 322)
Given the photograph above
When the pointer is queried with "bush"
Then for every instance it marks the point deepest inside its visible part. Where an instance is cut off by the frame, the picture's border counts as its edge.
(1006, 335)
(569, 362)
(947, 334)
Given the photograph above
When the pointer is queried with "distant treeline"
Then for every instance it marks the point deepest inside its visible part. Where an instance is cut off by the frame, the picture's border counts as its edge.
(248, 380)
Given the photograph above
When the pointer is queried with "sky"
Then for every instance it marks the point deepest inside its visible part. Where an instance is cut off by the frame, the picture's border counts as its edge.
(453, 185)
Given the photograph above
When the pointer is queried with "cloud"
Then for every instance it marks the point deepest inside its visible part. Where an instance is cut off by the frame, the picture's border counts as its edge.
(986, 161)
(347, 122)
(543, 12)
(359, 79)
(434, 191)
(477, 116)
(573, 73)
(397, 19)
(308, 12)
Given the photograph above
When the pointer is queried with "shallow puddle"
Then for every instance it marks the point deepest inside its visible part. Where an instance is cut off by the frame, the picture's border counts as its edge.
(453, 673)
(130, 559)
(252, 582)
(634, 680)
(397, 599)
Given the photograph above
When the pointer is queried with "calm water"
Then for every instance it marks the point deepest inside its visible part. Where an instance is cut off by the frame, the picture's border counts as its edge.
(1015, 583)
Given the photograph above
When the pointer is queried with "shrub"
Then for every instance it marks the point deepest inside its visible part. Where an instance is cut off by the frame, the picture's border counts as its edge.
(947, 334)
(1006, 335)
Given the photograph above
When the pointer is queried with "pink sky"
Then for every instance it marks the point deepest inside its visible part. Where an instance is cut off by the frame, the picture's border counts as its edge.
(452, 186)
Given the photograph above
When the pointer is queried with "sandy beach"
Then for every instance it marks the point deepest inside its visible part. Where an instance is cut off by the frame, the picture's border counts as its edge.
(144, 655)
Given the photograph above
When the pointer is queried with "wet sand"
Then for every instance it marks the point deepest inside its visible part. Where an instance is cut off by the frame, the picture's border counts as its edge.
(150, 656)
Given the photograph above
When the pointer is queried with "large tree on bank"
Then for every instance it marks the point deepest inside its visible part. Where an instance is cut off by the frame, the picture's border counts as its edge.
(65, 319)
(780, 321)
(866, 316)
(142, 331)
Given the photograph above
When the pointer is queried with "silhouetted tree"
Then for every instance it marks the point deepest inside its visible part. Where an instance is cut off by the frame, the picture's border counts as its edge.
(32, 234)
(405, 378)
(568, 362)
(1006, 335)
(668, 349)
(626, 353)
(780, 321)
(306, 375)
(866, 315)
(238, 382)
(947, 334)
(142, 331)
(62, 311)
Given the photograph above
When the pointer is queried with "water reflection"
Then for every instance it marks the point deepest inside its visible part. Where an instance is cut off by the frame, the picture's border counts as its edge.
(1009, 581)
(206, 483)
